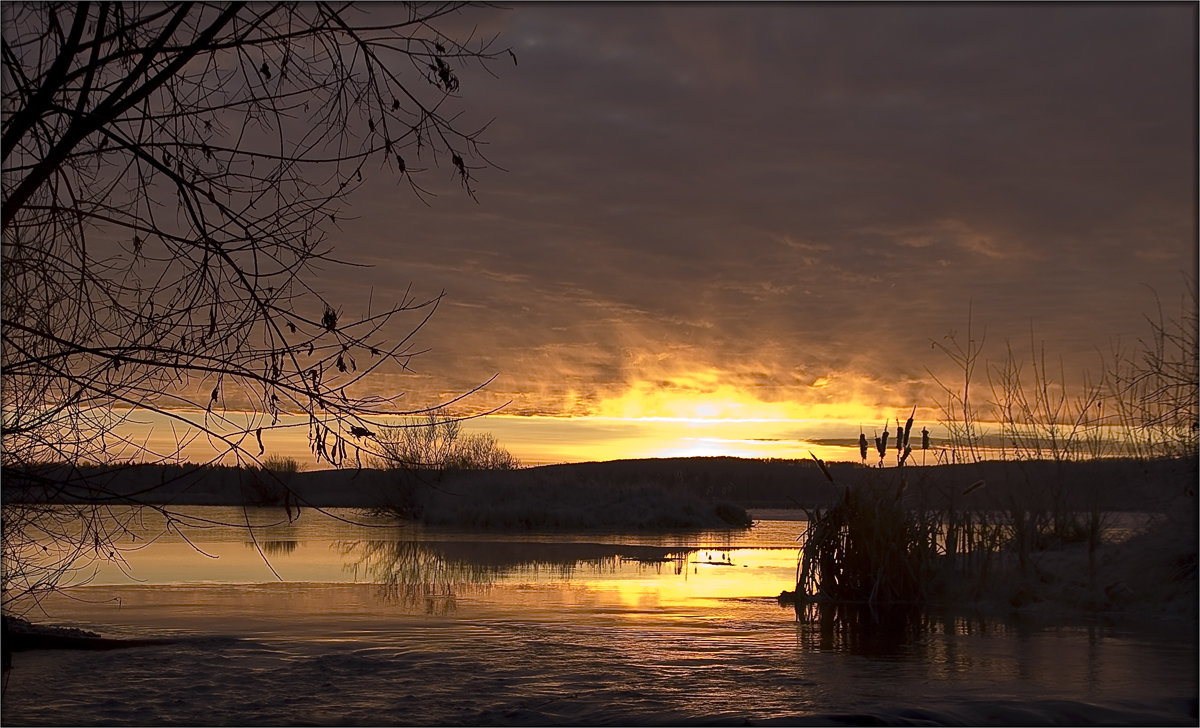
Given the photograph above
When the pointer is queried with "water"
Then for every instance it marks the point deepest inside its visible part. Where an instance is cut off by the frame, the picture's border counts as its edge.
(377, 624)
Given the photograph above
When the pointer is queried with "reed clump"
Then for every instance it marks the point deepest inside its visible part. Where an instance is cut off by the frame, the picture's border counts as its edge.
(865, 549)
(886, 543)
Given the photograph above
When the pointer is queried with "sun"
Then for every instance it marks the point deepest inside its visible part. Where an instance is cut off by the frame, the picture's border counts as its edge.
(708, 410)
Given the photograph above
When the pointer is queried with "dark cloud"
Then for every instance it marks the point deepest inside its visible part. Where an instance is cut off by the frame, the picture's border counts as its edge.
(761, 190)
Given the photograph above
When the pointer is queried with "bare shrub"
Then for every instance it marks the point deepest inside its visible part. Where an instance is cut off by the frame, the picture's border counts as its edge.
(481, 451)
(281, 465)
(1144, 404)
(270, 483)
(960, 415)
(437, 442)
(1154, 387)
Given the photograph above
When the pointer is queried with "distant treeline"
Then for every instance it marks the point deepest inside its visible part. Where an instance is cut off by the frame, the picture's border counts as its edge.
(1111, 484)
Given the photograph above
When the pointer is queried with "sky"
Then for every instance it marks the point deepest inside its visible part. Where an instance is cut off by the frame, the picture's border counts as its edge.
(739, 228)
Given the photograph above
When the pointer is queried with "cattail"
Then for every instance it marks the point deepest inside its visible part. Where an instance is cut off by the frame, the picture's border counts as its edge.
(862, 446)
(924, 438)
(881, 443)
(899, 438)
(908, 425)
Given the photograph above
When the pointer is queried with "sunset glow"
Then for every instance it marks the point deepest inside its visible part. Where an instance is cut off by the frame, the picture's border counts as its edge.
(572, 363)
(543, 440)
(706, 397)
(767, 293)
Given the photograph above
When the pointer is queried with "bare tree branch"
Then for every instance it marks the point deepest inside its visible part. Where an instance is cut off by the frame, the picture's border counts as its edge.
(172, 178)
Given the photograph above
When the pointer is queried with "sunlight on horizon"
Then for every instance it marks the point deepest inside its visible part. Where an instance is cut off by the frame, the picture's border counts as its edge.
(547, 440)
(543, 440)
(706, 395)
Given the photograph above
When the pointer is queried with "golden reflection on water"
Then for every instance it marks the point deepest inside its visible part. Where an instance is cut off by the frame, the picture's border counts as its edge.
(421, 573)
(701, 576)
(430, 571)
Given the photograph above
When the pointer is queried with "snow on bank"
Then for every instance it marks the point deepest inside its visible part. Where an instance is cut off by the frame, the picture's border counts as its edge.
(1149, 578)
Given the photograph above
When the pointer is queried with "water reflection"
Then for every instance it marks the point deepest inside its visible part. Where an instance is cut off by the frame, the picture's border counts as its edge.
(859, 629)
(896, 631)
(430, 575)
(410, 574)
(415, 564)
(275, 547)
(534, 558)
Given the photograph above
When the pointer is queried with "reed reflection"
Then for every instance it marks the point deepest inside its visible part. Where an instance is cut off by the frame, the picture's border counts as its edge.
(859, 630)
(412, 575)
(894, 631)
(562, 560)
(431, 575)
(276, 547)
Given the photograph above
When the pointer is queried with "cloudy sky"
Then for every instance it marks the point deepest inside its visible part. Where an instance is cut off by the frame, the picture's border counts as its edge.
(770, 210)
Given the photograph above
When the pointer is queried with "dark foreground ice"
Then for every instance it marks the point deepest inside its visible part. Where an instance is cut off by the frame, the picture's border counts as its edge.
(606, 668)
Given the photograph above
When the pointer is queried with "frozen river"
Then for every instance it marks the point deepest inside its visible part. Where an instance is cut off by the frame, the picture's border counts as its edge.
(352, 621)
